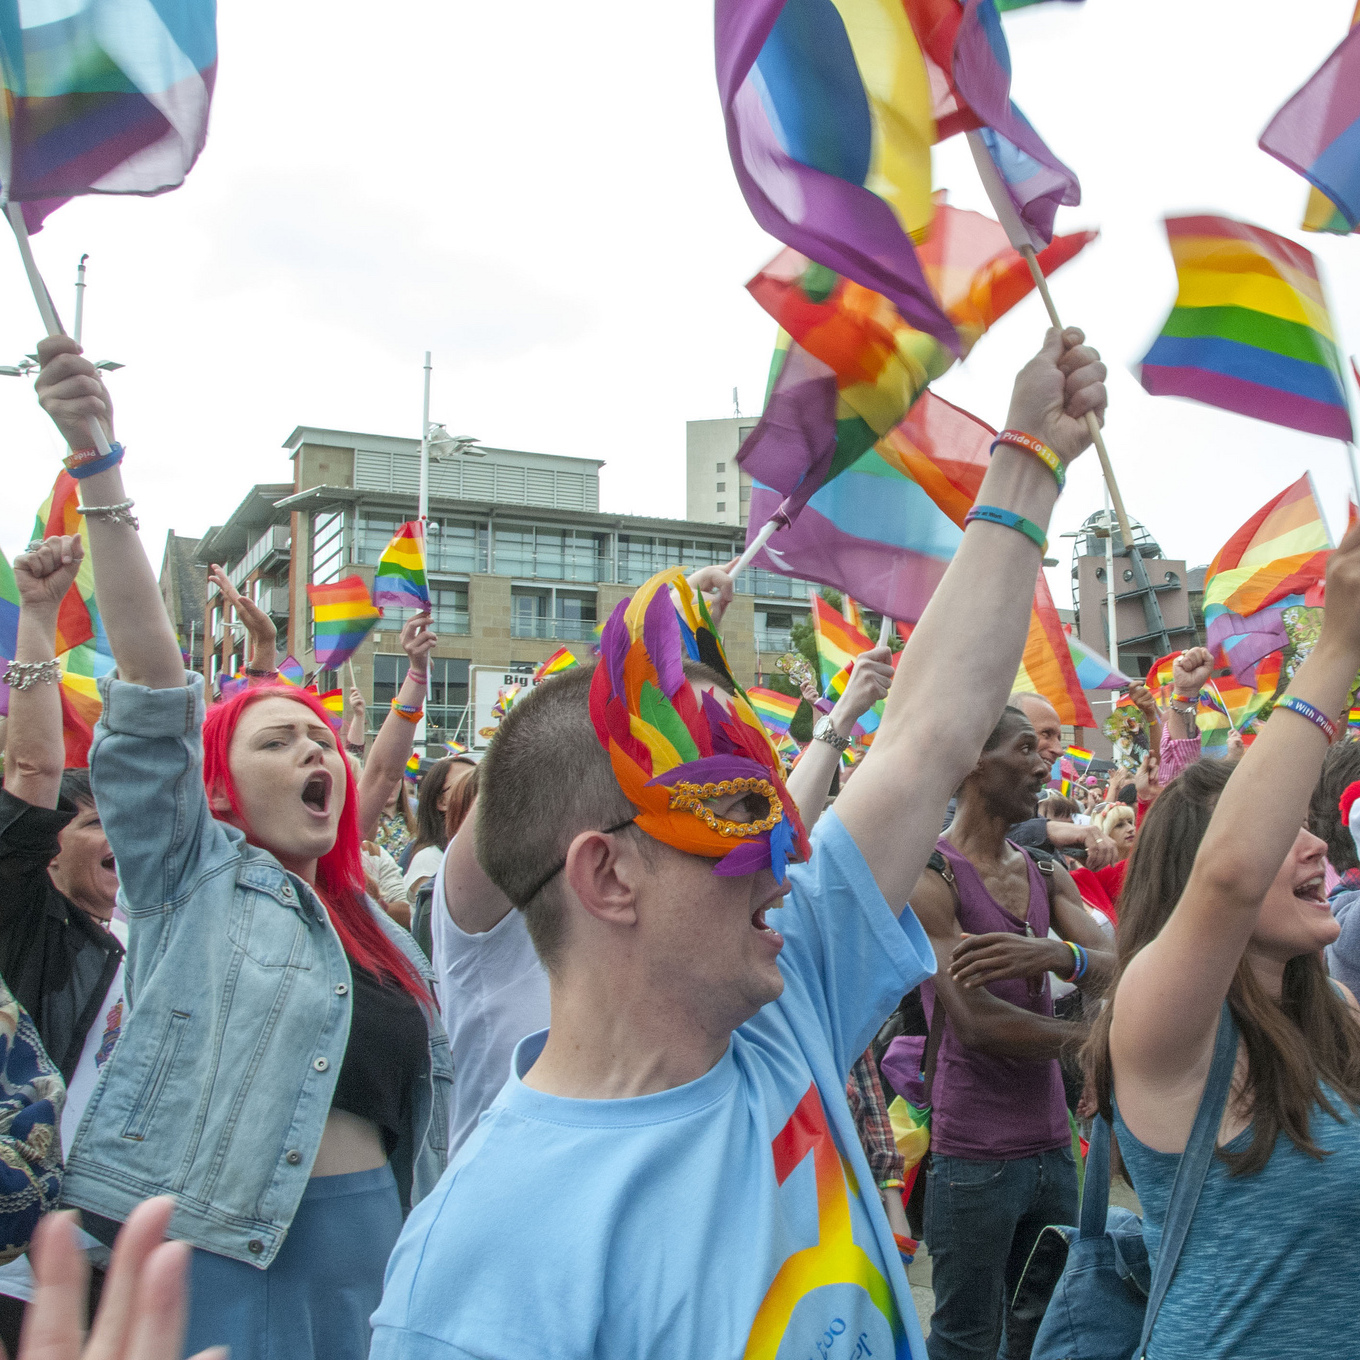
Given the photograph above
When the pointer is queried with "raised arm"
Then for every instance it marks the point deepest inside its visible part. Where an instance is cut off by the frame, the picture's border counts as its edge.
(960, 665)
(130, 605)
(396, 737)
(261, 662)
(1168, 1000)
(981, 1020)
(810, 780)
(35, 749)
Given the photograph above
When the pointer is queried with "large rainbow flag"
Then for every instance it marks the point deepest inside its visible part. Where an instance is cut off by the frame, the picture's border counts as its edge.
(399, 581)
(862, 359)
(1250, 331)
(1317, 131)
(81, 705)
(343, 616)
(77, 619)
(102, 99)
(1278, 558)
(1046, 665)
(827, 105)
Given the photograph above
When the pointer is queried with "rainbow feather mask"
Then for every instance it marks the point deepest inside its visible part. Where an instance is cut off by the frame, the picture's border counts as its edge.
(672, 750)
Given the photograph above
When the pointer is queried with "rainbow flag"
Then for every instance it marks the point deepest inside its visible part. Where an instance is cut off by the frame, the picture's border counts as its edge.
(1046, 665)
(839, 642)
(413, 766)
(1093, 670)
(1225, 705)
(290, 671)
(1161, 677)
(1321, 214)
(343, 616)
(1317, 131)
(1250, 330)
(9, 624)
(1080, 753)
(776, 710)
(563, 659)
(101, 100)
(333, 701)
(1278, 558)
(1353, 723)
(850, 612)
(829, 125)
(81, 705)
(455, 748)
(400, 581)
(78, 615)
(1011, 154)
(862, 356)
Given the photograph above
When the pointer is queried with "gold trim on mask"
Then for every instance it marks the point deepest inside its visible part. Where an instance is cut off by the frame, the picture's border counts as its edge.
(692, 797)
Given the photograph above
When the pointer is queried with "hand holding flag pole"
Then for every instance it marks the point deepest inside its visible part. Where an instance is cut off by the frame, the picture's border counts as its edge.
(15, 212)
(885, 631)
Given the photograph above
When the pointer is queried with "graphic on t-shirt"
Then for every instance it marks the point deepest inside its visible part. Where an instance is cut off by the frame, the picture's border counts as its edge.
(828, 1301)
(113, 1024)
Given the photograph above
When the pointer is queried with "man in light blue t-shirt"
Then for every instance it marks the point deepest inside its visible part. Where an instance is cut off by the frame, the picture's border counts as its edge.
(671, 1169)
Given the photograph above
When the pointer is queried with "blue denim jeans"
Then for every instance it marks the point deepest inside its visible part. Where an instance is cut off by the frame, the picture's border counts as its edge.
(981, 1222)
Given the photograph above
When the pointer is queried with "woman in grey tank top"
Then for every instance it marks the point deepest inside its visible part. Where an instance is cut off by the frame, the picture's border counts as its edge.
(1225, 899)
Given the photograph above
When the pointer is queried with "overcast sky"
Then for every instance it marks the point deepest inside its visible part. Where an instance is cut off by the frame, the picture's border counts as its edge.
(542, 196)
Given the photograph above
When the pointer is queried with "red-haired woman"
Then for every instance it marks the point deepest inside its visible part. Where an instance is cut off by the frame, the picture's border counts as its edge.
(282, 1074)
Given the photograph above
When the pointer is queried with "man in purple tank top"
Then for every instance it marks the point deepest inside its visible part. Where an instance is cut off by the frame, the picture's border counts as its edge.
(1001, 1157)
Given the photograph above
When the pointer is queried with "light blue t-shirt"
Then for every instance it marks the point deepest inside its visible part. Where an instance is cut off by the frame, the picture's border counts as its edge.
(722, 1218)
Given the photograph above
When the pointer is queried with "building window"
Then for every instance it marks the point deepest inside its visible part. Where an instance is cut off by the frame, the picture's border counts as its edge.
(550, 554)
(722, 486)
(743, 433)
(457, 546)
(449, 608)
(722, 467)
(641, 557)
(568, 615)
(722, 505)
(774, 629)
(328, 543)
(446, 700)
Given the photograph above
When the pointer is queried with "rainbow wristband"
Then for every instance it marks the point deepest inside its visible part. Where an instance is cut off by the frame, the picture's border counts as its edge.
(1314, 715)
(1080, 960)
(80, 466)
(1018, 439)
(1008, 519)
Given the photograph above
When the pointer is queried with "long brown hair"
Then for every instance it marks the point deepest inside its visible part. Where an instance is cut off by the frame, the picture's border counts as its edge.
(1294, 1046)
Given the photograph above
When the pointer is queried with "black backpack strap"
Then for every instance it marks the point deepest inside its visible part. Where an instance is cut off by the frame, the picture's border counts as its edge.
(1193, 1168)
(1046, 864)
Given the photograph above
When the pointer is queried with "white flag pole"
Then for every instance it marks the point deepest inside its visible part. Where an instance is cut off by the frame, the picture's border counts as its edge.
(756, 544)
(423, 512)
(885, 631)
(43, 298)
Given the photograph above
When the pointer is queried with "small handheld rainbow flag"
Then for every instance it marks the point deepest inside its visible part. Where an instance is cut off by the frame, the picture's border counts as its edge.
(839, 642)
(413, 766)
(776, 710)
(1093, 671)
(333, 701)
(1353, 723)
(290, 671)
(455, 748)
(563, 659)
(400, 579)
(343, 616)
(1077, 753)
(1161, 676)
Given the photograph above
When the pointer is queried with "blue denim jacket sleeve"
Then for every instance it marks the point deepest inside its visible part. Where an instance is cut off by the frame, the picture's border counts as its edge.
(146, 768)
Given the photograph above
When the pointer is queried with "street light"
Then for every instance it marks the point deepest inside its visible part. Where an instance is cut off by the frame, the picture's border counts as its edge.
(445, 445)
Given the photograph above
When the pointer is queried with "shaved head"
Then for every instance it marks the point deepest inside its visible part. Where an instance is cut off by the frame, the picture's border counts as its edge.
(1044, 719)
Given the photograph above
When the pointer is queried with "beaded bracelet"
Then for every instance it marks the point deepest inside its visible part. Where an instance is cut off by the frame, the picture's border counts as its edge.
(1008, 519)
(1314, 715)
(1038, 448)
(80, 466)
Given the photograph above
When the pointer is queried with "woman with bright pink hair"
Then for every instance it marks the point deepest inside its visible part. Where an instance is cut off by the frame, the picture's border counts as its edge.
(283, 1072)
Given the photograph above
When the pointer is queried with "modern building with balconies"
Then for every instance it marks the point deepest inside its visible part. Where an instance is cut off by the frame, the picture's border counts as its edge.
(520, 560)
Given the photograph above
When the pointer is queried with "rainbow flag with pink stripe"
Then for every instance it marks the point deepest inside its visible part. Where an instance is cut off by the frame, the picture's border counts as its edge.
(399, 581)
(102, 98)
(776, 710)
(342, 617)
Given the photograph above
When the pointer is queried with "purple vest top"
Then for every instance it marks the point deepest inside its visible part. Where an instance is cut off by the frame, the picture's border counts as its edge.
(989, 1108)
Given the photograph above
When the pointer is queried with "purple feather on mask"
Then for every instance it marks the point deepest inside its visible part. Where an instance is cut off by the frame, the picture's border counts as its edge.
(614, 645)
(712, 770)
(661, 637)
(750, 857)
(718, 717)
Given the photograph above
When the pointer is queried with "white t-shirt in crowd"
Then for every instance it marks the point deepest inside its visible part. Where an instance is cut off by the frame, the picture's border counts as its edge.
(423, 864)
(492, 992)
(16, 1278)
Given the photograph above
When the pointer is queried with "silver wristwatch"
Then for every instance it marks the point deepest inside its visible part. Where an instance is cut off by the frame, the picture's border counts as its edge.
(823, 731)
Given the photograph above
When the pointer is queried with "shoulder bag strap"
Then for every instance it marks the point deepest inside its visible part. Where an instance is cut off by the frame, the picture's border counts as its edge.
(1095, 1181)
(1193, 1168)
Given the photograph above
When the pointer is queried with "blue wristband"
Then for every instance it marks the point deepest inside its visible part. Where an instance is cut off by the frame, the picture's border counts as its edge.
(110, 460)
(1314, 715)
(1008, 519)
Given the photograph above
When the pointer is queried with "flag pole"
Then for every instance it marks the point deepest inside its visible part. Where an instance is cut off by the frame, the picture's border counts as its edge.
(1355, 478)
(1219, 697)
(756, 544)
(80, 300)
(424, 503)
(884, 631)
(353, 679)
(15, 213)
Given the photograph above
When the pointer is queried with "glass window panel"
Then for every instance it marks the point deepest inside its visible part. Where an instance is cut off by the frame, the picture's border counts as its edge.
(548, 554)
(514, 551)
(456, 546)
(372, 534)
(328, 538)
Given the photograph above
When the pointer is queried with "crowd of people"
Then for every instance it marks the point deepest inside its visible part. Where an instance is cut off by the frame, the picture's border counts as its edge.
(600, 1047)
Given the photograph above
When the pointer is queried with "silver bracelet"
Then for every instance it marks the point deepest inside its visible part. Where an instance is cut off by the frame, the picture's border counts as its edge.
(23, 675)
(115, 514)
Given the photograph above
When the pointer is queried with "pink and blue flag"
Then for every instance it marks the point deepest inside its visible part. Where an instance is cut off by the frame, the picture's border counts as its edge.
(1317, 132)
(1093, 670)
(1034, 179)
(102, 98)
(828, 108)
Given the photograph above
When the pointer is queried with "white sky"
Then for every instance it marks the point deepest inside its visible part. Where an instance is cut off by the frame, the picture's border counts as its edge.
(542, 196)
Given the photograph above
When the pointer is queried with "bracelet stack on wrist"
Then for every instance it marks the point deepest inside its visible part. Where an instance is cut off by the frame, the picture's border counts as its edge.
(1019, 440)
(412, 713)
(1080, 961)
(420, 677)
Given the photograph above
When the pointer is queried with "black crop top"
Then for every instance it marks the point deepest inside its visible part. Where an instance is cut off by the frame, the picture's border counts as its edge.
(387, 1053)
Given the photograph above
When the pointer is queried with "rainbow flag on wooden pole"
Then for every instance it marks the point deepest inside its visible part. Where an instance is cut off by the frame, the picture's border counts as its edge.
(343, 616)
(400, 579)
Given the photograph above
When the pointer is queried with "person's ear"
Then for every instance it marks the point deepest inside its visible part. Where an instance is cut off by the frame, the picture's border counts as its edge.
(219, 804)
(604, 871)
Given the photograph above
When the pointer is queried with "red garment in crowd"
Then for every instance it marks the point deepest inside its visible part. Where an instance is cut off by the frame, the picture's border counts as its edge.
(1101, 887)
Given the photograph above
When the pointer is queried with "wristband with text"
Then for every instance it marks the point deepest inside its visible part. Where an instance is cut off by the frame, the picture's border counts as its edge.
(1018, 439)
(80, 466)
(1008, 519)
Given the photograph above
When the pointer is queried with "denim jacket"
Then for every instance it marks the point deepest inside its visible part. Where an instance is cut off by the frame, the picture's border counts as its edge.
(219, 1088)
